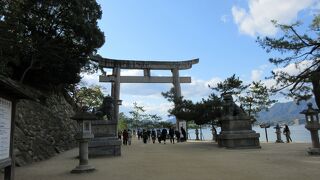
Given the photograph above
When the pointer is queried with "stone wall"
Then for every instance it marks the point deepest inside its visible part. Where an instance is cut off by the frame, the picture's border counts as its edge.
(43, 129)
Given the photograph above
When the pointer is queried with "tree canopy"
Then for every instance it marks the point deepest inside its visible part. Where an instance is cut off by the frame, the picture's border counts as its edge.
(252, 98)
(48, 42)
(91, 97)
(298, 49)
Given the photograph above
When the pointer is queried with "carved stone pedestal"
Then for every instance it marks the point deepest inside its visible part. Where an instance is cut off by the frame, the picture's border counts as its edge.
(236, 132)
(105, 141)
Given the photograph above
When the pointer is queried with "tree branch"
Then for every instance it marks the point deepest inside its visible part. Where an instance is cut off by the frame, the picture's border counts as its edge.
(294, 31)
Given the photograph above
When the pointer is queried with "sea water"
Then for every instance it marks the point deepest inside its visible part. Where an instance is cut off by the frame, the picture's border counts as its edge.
(298, 133)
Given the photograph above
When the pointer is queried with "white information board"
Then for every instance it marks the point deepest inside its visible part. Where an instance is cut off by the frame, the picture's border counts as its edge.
(5, 128)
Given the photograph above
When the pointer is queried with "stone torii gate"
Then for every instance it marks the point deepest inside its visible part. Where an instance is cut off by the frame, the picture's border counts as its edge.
(106, 141)
(146, 66)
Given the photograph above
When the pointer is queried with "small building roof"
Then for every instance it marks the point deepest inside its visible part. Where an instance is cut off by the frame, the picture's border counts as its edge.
(12, 89)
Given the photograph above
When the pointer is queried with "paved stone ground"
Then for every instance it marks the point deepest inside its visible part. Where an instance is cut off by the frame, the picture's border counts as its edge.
(184, 161)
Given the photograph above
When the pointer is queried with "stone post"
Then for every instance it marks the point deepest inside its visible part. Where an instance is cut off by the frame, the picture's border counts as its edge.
(313, 125)
(278, 132)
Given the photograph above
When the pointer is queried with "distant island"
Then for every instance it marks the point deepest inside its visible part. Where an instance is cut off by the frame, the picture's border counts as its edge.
(288, 112)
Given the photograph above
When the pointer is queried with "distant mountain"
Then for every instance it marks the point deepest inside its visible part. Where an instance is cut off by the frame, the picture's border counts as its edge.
(284, 112)
(171, 120)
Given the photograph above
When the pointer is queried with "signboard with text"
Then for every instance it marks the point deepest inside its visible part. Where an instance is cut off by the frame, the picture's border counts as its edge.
(5, 128)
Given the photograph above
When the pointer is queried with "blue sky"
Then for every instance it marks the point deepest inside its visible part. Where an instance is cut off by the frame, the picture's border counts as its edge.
(221, 34)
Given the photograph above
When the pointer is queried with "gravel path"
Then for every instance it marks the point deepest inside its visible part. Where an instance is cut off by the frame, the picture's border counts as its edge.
(184, 161)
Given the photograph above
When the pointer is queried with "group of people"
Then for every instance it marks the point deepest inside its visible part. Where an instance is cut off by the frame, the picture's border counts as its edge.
(148, 135)
(126, 136)
(163, 135)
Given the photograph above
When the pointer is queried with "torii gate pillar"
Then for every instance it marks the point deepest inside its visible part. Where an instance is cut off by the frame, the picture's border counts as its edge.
(115, 92)
(177, 89)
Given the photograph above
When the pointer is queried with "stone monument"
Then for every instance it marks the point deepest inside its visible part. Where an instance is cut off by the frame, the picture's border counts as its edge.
(105, 141)
(236, 129)
(83, 136)
(278, 132)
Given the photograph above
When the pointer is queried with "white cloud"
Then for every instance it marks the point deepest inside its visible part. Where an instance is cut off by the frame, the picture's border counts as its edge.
(256, 74)
(90, 79)
(257, 19)
(198, 88)
(294, 69)
(151, 104)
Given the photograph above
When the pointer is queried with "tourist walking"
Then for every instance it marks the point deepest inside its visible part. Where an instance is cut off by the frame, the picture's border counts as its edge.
(144, 136)
(139, 134)
(153, 136)
(184, 134)
(177, 132)
(159, 135)
(171, 134)
(125, 137)
(164, 135)
(129, 136)
(119, 135)
(286, 132)
(149, 135)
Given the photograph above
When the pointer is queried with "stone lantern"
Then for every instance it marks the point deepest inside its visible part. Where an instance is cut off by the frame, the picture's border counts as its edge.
(313, 125)
(84, 134)
(278, 132)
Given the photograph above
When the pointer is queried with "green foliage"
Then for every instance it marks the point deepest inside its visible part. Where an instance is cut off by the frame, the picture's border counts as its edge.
(48, 42)
(170, 95)
(201, 112)
(137, 115)
(124, 122)
(231, 85)
(257, 98)
(209, 111)
(92, 96)
(296, 48)
(139, 119)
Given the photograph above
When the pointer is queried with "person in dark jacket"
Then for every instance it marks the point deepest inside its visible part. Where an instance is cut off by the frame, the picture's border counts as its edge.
(119, 135)
(125, 137)
(184, 134)
(159, 135)
(144, 136)
(177, 135)
(286, 131)
(171, 134)
(164, 135)
(153, 136)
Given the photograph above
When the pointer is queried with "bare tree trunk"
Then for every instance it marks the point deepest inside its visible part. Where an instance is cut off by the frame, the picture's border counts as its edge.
(316, 86)
(26, 70)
